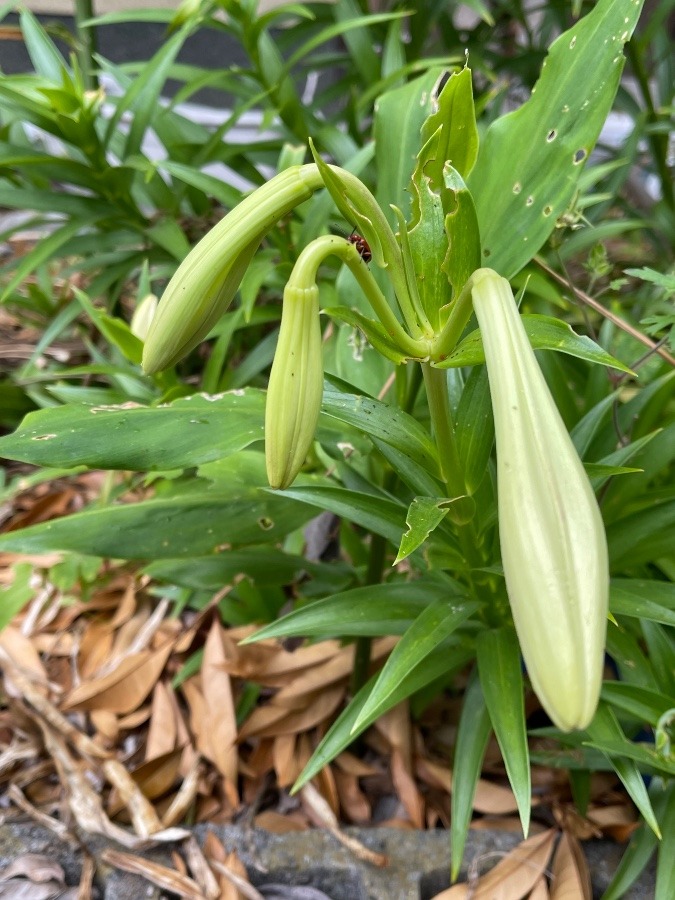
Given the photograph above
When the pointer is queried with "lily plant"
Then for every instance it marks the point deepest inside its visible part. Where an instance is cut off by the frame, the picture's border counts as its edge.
(476, 215)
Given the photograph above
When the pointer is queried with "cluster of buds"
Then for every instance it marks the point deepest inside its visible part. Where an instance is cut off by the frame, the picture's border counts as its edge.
(552, 537)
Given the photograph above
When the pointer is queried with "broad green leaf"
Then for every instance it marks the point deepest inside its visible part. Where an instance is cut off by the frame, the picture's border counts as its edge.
(371, 611)
(431, 627)
(653, 600)
(473, 734)
(399, 116)
(606, 734)
(641, 703)
(166, 528)
(408, 470)
(388, 424)
(441, 661)
(501, 679)
(267, 565)
(530, 160)
(544, 333)
(377, 514)
(188, 432)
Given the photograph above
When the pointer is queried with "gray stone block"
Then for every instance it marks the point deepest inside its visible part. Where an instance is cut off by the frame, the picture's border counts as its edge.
(418, 861)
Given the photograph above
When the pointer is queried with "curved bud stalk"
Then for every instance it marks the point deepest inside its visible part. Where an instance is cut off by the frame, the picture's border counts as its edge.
(552, 537)
(206, 281)
(295, 386)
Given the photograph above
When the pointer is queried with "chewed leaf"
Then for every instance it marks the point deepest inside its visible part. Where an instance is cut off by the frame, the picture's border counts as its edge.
(544, 333)
(424, 515)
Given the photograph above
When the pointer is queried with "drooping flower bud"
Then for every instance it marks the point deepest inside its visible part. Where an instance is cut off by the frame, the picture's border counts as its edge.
(554, 548)
(295, 386)
(206, 281)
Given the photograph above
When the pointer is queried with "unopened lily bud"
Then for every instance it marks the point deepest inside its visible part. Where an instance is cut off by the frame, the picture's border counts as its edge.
(206, 281)
(554, 548)
(143, 315)
(295, 386)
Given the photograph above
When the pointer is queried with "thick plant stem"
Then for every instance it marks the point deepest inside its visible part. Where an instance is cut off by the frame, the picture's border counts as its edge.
(86, 43)
(444, 431)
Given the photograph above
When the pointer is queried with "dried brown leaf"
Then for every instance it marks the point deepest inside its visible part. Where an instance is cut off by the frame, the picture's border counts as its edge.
(221, 724)
(163, 733)
(285, 759)
(353, 801)
(540, 890)
(124, 689)
(512, 878)
(571, 879)
(269, 721)
(24, 660)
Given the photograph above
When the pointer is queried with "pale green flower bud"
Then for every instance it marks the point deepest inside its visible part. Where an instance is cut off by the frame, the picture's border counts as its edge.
(143, 315)
(554, 549)
(206, 281)
(295, 386)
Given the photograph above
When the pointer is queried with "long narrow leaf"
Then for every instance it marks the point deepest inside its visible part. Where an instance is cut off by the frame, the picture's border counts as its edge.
(473, 735)
(605, 728)
(502, 683)
(433, 625)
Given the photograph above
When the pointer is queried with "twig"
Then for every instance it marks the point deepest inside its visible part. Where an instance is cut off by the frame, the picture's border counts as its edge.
(608, 314)
(62, 831)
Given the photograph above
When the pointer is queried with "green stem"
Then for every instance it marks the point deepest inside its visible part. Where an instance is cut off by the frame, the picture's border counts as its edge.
(462, 510)
(305, 272)
(86, 43)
